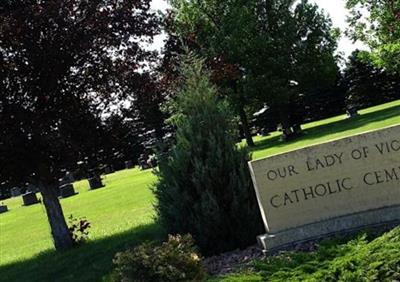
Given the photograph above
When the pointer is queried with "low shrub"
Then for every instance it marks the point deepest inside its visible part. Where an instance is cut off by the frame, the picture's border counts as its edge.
(78, 229)
(175, 260)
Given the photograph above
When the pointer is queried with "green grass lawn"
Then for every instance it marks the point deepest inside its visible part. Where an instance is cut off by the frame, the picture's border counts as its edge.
(122, 213)
(329, 129)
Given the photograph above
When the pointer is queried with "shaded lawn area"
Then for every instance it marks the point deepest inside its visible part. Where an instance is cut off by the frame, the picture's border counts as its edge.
(89, 262)
(122, 213)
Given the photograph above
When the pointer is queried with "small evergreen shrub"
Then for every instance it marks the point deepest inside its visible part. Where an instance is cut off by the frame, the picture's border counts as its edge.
(175, 260)
(204, 186)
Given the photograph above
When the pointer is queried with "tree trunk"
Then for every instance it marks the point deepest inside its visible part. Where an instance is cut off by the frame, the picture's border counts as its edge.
(243, 116)
(245, 125)
(59, 229)
(159, 133)
(286, 126)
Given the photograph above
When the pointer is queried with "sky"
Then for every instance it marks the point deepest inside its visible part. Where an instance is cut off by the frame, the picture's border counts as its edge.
(338, 12)
(335, 8)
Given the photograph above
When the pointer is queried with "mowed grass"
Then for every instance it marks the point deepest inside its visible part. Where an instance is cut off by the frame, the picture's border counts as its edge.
(329, 129)
(122, 213)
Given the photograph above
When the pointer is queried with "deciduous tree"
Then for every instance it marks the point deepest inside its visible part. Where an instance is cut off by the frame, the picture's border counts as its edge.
(377, 23)
(62, 63)
(270, 44)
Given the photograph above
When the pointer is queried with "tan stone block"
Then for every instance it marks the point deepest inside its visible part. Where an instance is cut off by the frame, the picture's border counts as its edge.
(342, 177)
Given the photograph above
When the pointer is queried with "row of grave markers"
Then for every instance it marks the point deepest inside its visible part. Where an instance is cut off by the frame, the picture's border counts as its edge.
(65, 190)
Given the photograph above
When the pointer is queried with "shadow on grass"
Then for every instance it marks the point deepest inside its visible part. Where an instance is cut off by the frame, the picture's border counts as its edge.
(332, 127)
(89, 262)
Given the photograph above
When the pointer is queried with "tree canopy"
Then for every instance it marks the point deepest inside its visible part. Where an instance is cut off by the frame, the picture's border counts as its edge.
(377, 23)
(260, 47)
(368, 85)
(62, 63)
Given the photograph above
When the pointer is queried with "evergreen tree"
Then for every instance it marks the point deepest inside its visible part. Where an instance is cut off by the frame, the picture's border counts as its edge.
(204, 185)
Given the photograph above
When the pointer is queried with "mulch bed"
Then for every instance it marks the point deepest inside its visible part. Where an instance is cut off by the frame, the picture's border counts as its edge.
(227, 262)
(230, 261)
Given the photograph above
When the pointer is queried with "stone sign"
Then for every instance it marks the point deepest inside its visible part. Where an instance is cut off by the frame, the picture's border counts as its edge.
(336, 186)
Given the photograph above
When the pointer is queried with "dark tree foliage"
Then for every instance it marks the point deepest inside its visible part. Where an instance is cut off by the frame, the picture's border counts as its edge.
(368, 85)
(125, 145)
(225, 74)
(139, 125)
(325, 101)
(295, 58)
(259, 48)
(62, 63)
(204, 185)
(147, 107)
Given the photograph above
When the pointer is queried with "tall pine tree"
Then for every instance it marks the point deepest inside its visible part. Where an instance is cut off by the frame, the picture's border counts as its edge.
(204, 185)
